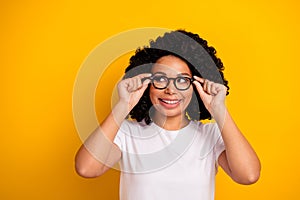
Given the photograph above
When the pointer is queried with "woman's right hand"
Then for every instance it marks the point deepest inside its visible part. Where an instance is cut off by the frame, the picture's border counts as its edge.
(131, 89)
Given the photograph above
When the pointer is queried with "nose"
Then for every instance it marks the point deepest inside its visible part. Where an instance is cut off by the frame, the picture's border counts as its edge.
(171, 89)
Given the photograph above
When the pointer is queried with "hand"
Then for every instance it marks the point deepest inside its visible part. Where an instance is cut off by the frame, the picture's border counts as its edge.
(212, 94)
(131, 89)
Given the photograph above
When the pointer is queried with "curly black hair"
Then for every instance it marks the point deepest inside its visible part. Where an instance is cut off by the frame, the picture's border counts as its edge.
(191, 48)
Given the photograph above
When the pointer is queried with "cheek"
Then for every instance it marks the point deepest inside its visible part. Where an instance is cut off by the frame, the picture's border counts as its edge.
(152, 94)
(188, 95)
(187, 98)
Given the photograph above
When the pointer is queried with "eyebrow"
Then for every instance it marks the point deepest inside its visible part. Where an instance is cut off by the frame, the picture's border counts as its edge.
(184, 74)
(180, 74)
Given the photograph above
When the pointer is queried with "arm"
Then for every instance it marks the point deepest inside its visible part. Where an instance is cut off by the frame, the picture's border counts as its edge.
(239, 160)
(99, 153)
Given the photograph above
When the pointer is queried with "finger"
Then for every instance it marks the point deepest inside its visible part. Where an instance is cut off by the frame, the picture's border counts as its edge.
(130, 84)
(199, 79)
(221, 88)
(205, 85)
(146, 81)
(199, 88)
(137, 84)
(208, 86)
(214, 88)
(144, 76)
(143, 85)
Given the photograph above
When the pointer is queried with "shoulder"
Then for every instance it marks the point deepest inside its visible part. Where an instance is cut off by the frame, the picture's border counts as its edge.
(132, 124)
(211, 127)
(204, 127)
(206, 131)
(132, 127)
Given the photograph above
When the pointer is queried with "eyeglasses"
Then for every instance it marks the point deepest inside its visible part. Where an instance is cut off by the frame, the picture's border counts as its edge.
(161, 82)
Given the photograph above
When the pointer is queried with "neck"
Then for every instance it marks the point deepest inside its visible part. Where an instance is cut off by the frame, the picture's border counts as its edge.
(170, 123)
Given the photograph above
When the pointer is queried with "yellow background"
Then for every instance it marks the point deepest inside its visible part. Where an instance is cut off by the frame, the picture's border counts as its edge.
(43, 43)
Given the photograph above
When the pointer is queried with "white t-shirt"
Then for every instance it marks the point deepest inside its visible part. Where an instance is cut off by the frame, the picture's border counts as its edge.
(158, 164)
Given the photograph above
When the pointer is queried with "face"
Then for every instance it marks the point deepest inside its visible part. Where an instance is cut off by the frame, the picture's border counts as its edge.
(171, 102)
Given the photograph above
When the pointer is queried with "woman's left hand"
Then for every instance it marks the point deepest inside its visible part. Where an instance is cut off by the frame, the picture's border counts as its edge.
(212, 94)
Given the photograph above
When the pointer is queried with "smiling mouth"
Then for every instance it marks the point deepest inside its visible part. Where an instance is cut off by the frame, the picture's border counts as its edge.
(170, 102)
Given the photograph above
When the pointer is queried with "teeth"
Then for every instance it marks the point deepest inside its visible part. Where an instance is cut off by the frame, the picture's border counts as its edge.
(170, 101)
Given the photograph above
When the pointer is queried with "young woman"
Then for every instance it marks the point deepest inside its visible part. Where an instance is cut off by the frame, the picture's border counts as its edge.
(164, 151)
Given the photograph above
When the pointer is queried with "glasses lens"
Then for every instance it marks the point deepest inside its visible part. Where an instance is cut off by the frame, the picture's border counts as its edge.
(160, 82)
(182, 83)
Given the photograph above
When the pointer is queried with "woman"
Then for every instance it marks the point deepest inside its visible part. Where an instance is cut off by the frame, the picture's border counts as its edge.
(165, 152)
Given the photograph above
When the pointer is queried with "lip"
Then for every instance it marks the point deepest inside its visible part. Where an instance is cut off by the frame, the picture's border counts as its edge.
(169, 103)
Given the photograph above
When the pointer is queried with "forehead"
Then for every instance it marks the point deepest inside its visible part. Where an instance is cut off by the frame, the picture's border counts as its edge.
(171, 65)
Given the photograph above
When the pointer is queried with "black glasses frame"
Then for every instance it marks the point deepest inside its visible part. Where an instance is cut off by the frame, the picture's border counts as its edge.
(174, 82)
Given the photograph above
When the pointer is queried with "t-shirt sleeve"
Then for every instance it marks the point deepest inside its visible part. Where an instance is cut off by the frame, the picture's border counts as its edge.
(124, 131)
(117, 141)
(119, 138)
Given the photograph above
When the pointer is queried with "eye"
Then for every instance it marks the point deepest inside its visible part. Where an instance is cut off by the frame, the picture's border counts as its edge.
(182, 80)
(160, 79)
